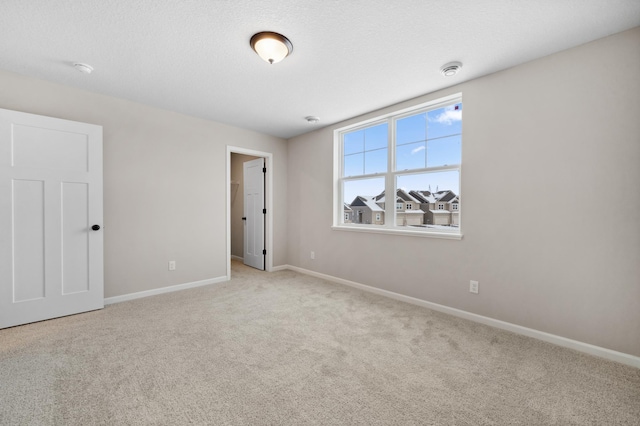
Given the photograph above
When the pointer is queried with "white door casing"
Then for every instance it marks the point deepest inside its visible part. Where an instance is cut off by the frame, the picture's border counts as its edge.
(51, 261)
(253, 177)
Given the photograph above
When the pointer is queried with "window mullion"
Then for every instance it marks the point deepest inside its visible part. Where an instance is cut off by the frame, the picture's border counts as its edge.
(390, 179)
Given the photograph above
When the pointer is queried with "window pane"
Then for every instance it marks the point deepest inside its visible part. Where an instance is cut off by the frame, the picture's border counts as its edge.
(376, 137)
(429, 191)
(365, 151)
(411, 156)
(444, 151)
(375, 161)
(354, 142)
(362, 201)
(354, 164)
(411, 129)
(445, 121)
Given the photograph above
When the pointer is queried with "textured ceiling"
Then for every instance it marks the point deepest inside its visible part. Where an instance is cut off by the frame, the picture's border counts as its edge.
(349, 57)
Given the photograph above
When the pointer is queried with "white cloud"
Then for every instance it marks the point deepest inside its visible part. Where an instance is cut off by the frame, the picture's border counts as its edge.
(449, 116)
(417, 150)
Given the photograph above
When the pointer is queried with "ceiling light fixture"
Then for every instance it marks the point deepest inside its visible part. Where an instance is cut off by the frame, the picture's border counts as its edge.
(270, 46)
(450, 69)
(312, 119)
(83, 68)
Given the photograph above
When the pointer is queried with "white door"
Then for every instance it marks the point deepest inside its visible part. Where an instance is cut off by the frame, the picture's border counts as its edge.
(254, 213)
(50, 198)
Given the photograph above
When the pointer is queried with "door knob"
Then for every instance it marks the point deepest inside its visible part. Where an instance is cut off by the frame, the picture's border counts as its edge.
(95, 227)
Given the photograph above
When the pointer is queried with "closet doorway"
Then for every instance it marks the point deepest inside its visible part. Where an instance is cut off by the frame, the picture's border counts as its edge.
(248, 229)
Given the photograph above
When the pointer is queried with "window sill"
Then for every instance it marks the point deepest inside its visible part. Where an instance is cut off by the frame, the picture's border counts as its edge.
(394, 231)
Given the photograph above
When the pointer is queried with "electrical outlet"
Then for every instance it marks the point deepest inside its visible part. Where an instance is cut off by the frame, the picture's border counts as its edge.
(172, 265)
(313, 255)
(473, 286)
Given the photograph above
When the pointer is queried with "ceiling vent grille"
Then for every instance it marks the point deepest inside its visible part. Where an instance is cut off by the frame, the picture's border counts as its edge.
(450, 69)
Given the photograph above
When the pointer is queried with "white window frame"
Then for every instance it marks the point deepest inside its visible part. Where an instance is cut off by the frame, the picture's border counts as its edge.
(409, 207)
(390, 175)
(440, 206)
(454, 206)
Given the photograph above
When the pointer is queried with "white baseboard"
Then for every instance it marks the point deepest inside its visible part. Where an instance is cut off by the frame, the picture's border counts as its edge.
(241, 259)
(169, 289)
(280, 268)
(598, 351)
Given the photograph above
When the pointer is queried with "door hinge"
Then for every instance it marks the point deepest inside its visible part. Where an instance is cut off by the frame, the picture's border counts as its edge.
(264, 211)
(264, 170)
(264, 252)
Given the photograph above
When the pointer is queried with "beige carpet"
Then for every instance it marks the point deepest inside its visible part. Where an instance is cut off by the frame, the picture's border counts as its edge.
(288, 349)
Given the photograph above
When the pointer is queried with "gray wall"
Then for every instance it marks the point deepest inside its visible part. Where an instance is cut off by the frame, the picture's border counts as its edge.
(164, 183)
(237, 205)
(549, 139)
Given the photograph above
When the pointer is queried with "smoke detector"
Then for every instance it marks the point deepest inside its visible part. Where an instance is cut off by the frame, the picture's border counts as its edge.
(312, 119)
(83, 68)
(450, 69)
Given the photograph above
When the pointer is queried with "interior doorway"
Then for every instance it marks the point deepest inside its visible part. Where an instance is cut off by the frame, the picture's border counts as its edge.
(236, 226)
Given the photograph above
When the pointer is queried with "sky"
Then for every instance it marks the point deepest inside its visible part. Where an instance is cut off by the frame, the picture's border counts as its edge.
(428, 139)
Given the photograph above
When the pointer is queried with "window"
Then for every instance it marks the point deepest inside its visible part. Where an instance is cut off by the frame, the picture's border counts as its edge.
(346, 217)
(454, 206)
(416, 152)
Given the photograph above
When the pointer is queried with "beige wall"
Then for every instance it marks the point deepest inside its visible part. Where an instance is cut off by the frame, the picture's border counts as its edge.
(564, 127)
(164, 183)
(237, 205)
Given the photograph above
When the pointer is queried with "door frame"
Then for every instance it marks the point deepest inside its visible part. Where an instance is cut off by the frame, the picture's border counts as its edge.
(268, 230)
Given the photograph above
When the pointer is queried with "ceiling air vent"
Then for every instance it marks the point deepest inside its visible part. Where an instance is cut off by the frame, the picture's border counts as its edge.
(450, 69)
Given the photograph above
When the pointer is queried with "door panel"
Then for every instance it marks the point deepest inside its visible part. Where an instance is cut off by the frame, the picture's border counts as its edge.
(28, 240)
(50, 194)
(49, 149)
(253, 211)
(75, 233)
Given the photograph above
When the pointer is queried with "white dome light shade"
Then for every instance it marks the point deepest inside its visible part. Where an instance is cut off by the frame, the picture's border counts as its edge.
(272, 47)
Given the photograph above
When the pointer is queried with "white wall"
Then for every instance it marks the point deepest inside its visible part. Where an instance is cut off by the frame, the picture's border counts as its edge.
(545, 146)
(164, 183)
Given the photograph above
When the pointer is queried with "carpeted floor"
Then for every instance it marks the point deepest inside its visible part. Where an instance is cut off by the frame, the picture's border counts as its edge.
(289, 349)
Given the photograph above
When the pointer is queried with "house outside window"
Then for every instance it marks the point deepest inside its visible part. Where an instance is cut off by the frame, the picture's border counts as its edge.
(454, 206)
(417, 149)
